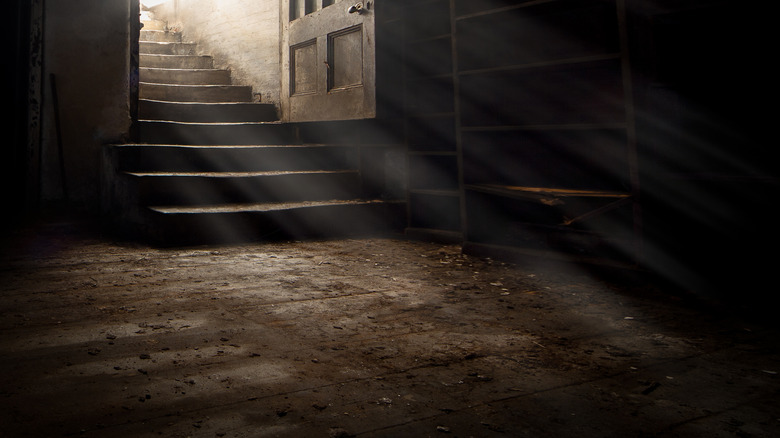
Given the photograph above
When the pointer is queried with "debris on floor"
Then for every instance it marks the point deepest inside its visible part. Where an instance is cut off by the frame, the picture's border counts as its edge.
(361, 338)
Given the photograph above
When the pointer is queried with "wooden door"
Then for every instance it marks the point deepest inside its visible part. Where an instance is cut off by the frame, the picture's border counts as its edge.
(328, 52)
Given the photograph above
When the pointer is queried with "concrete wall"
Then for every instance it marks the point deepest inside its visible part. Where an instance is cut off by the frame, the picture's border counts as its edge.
(86, 47)
(242, 35)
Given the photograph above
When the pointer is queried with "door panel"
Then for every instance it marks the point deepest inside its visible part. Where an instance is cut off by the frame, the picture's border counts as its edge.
(345, 58)
(328, 61)
(303, 67)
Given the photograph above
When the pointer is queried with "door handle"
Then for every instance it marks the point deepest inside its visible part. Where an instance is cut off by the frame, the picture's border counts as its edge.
(359, 8)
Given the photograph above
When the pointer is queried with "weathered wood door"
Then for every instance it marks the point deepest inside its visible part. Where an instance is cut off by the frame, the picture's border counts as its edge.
(328, 52)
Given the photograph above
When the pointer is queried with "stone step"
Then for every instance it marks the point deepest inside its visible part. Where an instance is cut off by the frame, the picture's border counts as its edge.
(176, 61)
(180, 194)
(210, 188)
(166, 48)
(183, 76)
(160, 36)
(206, 112)
(260, 133)
(227, 223)
(195, 93)
(152, 24)
(149, 158)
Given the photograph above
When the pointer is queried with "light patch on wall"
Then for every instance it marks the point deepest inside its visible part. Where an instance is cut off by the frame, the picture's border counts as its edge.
(150, 3)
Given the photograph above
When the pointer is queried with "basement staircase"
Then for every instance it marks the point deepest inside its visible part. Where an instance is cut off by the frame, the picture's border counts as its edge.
(213, 166)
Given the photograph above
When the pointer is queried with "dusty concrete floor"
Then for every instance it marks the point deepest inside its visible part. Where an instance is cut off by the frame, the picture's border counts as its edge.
(367, 338)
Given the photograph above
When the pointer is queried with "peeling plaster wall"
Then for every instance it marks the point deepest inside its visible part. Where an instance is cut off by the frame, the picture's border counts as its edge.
(242, 35)
(86, 48)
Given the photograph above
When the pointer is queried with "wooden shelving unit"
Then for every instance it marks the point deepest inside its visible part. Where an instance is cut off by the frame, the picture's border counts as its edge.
(432, 159)
(545, 134)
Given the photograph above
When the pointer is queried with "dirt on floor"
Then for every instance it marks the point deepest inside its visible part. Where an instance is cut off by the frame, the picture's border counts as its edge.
(364, 338)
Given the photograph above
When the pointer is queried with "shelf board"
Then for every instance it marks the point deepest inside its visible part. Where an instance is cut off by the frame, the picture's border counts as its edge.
(429, 38)
(435, 192)
(421, 78)
(543, 193)
(503, 9)
(556, 127)
(553, 196)
(433, 153)
(441, 115)
(542, 64)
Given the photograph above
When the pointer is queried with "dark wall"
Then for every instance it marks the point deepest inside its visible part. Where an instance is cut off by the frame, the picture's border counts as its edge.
(17, 35)
(86, 50)
(708, 178)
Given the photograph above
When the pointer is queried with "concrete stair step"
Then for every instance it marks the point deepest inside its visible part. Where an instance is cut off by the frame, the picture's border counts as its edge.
(259, 133)
(228, 223)
(160, 36)
(195, 93)
(183, 76)
(176, 61)
(152, 24)
(184, 194)
(207, 188)
(148, 158)
(206, 112)
(166, 48)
